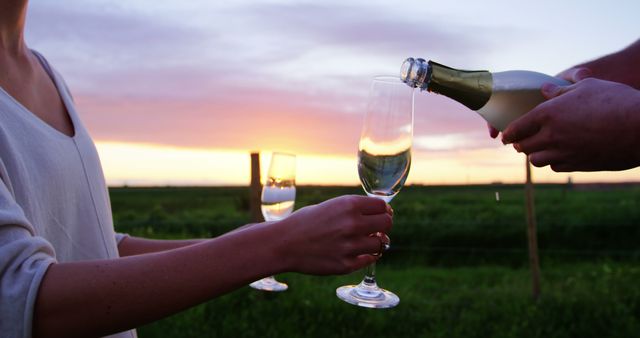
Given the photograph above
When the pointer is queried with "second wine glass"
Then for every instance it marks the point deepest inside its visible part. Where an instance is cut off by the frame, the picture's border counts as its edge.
(384, 159)
(278, 198)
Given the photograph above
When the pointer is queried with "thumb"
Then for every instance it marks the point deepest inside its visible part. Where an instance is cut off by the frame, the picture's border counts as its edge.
(581, 74)
(550, 90)
(575, 74)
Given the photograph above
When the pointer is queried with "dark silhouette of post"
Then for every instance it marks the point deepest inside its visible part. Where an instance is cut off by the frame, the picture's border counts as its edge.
(255, 189)
(532, 236)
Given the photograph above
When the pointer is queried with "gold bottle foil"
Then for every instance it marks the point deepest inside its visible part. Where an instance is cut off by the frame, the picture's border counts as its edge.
(472, 88)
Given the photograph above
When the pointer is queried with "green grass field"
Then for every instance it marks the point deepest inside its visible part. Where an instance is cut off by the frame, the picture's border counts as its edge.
(458, 262)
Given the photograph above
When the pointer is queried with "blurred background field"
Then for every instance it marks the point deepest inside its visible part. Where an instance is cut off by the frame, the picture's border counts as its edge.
(458, 262)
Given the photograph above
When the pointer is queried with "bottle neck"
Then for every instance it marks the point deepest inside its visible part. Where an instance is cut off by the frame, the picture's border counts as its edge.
(472, 88)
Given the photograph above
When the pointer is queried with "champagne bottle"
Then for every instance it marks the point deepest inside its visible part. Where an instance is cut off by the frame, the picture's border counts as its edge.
(498, 97)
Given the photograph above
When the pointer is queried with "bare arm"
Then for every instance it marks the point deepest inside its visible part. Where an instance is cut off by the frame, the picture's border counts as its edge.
(108, 296)
(94, 298)
(622, 66)
(132, 245)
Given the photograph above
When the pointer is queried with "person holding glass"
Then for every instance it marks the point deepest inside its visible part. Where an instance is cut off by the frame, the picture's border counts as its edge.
(63, 270)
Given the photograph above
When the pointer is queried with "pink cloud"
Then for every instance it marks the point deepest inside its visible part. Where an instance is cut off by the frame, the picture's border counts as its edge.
(209, 124)
(212, 77)
(264, 119)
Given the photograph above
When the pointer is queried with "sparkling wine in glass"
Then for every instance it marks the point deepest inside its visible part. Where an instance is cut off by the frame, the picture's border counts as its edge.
(384, 159)
(278, 198)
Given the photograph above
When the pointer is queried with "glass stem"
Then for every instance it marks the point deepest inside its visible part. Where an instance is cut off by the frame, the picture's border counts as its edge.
(370, 275)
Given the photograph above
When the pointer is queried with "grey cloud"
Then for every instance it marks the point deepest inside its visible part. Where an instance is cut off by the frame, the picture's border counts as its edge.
(93, 42)
(115, 31)
(364, 27)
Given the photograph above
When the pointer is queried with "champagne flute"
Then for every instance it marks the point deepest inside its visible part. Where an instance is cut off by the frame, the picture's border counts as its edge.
(384, 158)
(278, 197)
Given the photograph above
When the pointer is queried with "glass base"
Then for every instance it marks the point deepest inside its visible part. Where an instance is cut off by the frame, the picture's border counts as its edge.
(269, 284)
(367, 295)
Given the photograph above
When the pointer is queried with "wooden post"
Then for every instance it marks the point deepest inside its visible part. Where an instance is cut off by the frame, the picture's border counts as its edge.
(532, 235)
(255, 189)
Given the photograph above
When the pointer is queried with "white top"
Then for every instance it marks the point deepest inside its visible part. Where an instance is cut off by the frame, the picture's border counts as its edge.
(54, 205)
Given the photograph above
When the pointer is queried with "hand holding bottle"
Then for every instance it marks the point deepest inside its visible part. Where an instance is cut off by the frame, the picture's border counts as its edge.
(583, 127)
(572, 75)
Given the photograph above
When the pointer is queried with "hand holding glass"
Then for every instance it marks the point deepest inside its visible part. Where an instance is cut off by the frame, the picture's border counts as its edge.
(384, 159)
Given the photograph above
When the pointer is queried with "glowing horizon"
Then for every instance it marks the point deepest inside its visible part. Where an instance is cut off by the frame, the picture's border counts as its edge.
(128, 164)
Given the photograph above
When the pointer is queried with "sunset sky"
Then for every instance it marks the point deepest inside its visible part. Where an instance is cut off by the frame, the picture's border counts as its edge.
(179, 92)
